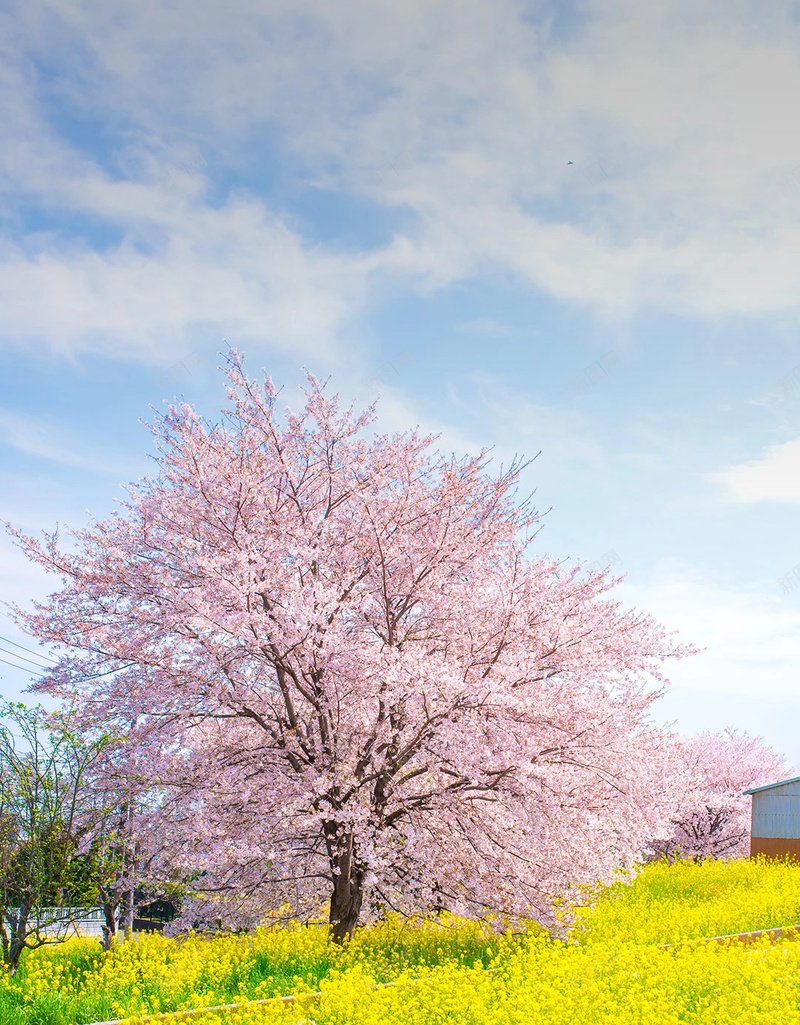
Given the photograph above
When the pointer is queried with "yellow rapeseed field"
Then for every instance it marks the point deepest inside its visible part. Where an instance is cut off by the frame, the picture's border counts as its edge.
(609, 967)
(547, 985)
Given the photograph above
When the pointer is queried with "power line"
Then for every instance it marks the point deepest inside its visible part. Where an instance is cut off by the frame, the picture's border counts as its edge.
(84, 679)
(108, 672)
(22, 669)
(23, 648)
(22, 658)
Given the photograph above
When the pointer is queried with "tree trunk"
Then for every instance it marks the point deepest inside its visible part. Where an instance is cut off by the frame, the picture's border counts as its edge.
(348, 892)
(126, 917)
(17, 935)
(110, 930)
(14, 954)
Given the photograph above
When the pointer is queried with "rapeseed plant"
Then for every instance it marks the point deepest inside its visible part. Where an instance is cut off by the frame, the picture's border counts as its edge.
(607, 968)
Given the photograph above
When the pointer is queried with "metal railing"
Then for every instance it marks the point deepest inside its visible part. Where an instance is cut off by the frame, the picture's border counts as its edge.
(62, 922)
(64, 914)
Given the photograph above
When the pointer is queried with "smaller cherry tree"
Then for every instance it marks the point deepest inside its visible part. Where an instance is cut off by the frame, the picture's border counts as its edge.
(712, 815)
(126, 847)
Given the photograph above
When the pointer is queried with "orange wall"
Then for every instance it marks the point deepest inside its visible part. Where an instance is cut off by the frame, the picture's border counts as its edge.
(774, 846)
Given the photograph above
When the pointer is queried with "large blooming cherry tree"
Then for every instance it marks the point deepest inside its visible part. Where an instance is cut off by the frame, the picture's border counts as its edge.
(356, 682)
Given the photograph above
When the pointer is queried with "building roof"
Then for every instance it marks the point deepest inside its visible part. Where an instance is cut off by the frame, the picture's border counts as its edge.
(770, 786)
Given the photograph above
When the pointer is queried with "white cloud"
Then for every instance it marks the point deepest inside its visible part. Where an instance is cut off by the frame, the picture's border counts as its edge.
(773, 477)
(679, 196)
(751, 637)
(747, 677)
(238, 271)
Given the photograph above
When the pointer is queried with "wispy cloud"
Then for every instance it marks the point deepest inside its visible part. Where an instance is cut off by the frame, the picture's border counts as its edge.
(773, 477)
(694, 111)
(53, 442)
(238, 271)
(748, 633)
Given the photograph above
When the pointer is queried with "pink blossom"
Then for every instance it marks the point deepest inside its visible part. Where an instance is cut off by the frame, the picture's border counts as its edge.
(338, 655)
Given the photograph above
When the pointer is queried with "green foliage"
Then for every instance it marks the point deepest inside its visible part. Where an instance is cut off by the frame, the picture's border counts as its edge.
(42, 766)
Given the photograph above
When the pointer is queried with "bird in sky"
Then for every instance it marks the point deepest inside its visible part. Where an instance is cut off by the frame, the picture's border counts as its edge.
(569, 161)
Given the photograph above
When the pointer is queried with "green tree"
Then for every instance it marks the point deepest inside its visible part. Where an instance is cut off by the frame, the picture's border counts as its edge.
(43, 820)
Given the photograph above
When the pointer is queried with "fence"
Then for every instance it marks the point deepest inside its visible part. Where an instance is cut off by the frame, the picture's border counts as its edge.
(63, 922)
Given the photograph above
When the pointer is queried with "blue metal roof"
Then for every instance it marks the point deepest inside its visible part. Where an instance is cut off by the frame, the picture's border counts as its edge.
(770, 786)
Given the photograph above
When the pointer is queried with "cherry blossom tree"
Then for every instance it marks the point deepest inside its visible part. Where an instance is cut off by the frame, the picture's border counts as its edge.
(712, 814)
(341, 657)
(127, 845)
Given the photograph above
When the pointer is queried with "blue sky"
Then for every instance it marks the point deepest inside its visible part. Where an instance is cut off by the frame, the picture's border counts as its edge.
(571, 229)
